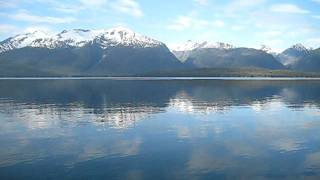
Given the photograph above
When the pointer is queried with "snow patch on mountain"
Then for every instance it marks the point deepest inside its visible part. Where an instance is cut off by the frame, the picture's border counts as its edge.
(76, 37)
(191, 45)
(22, 40)
(293, 54)
(126, 37)
(79, 38)
(269, 50)
(266, 49)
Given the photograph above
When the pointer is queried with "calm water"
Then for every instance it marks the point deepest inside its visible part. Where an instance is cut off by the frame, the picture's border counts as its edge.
(177, 129)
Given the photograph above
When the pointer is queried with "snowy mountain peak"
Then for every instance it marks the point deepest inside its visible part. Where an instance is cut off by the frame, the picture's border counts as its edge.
(269, 50)
(125, 37)
(266, 49)
(191, 45)
(121, 30)
(299, 47)
(187, 46)
(78, 38)
(224, 45)
(22, 40)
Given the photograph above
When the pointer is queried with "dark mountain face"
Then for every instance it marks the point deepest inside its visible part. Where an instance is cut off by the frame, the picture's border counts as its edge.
(232, 58)
(88, 60)
(122, 52)
(126, 60)
(116, 51)
(182, 55)
(311, 62)
(292, 55)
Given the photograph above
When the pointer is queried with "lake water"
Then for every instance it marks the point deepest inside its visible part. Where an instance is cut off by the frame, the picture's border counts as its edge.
(164, 129)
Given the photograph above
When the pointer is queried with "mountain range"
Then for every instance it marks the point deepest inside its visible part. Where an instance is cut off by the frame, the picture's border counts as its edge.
(120, 51)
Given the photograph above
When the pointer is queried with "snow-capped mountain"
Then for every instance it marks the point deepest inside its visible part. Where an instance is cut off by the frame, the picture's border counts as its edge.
(183, 51)
(79, 38)
(223, 55)
(266, 49)
(293, 54)
(269, 50)
(309, 62)
(22, 40)
(300, 47)
(116, 51)
(191, 45)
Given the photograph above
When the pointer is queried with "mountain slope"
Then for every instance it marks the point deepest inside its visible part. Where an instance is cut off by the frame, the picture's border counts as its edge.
(311, 62)
(232, 58)
(183, 51)
(79, 38)
(222, 55)
(293, 55)
(117, 51)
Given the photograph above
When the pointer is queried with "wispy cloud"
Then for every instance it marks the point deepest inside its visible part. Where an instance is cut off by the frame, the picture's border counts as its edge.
(237, 27)
(288, 8)
(66, 7)
(187, 22)
(8, 4)
(94, 3)
(193, 22)
(26, 16)
(6, 28)
(201, 2)
(39, 28)
(313, 42)
(271, 33)
(219, 23)
(242, 5)
(131, 7)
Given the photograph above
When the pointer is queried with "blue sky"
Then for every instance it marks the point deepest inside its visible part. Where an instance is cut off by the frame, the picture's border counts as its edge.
(275, 23)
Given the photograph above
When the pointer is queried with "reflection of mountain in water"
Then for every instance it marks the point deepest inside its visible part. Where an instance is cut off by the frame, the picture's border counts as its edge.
(124, 117)
(122, 103)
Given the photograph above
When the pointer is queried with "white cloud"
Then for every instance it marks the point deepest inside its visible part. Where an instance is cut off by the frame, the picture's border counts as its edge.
(25, 16)
(8, 4)
(68, 9)
(65, 7)
(242, 5)
(193, 22)
(274, 42)
(187, 22)
(201, 2)
(301, 32)
(39, 28)
(313, 42)
(288, 8)
(237, 28)
(181, 23)
(219, 23)
(10, 30)
(6, 28)
(94, 3)
(271, 33)
(131, 7)
(317, 1)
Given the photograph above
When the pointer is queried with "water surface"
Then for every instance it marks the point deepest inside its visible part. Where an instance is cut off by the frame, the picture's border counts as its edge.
(146, 129)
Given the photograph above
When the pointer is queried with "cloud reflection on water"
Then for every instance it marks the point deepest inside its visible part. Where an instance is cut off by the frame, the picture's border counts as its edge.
(207, 127)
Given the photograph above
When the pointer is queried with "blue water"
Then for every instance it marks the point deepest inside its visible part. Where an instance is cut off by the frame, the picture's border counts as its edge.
(145, 129)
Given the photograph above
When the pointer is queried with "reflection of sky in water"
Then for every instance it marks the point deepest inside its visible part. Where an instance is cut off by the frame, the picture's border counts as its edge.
(271, 132)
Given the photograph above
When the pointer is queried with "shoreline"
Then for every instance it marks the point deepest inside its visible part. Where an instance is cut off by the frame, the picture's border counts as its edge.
(163, 78)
